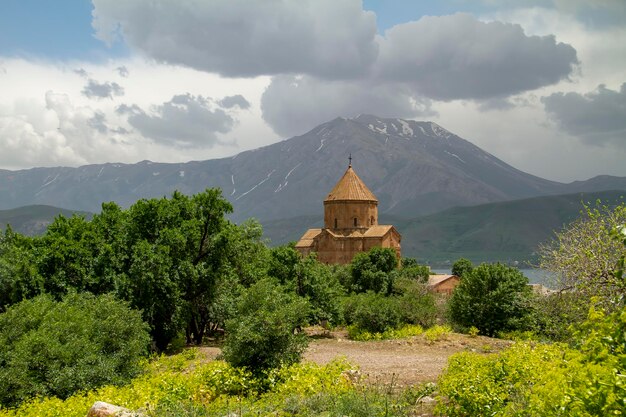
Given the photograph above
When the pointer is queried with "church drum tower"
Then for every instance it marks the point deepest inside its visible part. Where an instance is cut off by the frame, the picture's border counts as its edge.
(350, 224)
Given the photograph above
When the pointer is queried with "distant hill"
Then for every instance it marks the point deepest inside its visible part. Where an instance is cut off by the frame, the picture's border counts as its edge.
(506, 231)
(33, 220)
(414, 168)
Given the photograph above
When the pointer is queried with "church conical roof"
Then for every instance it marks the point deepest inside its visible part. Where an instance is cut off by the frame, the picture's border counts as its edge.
(351, 187)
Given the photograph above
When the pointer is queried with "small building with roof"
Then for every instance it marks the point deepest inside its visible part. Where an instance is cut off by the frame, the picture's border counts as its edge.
(443, 283)
(350, 224)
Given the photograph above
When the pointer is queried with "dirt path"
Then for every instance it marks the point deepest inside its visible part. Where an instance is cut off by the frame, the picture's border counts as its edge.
(405, 362)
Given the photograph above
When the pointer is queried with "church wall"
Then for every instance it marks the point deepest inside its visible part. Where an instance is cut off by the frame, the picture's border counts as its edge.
(341, 251)
(344, 212)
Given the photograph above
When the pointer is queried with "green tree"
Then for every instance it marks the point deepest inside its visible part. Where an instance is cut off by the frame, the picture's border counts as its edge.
(151, 286)
(19, 277)
(187, 237)
(73, 256)
(370, 271)
(310, 279)
(461, 267)
(583, 255)
(492, 298)
(55, 348)
(263, 336)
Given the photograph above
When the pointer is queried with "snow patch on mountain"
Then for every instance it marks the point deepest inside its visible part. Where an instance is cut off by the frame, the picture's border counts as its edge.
(284, 184)
(439, 131)
(406, 129)
(253, 188)
(377, 129)
(455, 156)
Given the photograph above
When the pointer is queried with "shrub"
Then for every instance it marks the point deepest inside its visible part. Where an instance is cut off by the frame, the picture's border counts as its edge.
(263, 335)
(437, 333)
(473, 332)
(372, 312)
(403, 332)
(50, 348)
(370, 271)
(416, 304)
(492, 298)
(533, 379)
(557, 312)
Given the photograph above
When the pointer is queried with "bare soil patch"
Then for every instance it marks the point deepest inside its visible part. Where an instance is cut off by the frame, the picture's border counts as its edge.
(403, 362)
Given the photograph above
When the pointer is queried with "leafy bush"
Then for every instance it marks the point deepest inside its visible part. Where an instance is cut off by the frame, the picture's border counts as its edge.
(372, 312)
(531, 379)
(410, 330)
(50, 348)
(370, 271)
(185, 384)
(492, 298)
(555, 314)
(262, 336)
(437, 333)
(416, 303)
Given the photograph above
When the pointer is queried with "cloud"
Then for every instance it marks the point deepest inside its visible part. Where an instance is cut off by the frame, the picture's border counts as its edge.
(185, 121)
(122, 71)
(98, 122)
(294, 104)
(596, 117)
(51, 132)
(81, 72)
(244, 38)
(459, 57)
(97, 90)
(236, 100)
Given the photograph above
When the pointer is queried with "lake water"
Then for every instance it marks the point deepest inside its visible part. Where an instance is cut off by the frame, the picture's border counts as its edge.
(534, 275)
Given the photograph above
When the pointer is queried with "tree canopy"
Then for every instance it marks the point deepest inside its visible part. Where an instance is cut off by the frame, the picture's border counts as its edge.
(583, 256)
(492, 298)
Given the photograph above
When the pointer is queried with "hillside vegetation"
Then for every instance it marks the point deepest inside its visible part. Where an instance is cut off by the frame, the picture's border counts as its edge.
(33, 220)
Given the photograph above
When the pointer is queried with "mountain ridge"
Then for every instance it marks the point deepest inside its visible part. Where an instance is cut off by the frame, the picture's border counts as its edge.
(414, 168)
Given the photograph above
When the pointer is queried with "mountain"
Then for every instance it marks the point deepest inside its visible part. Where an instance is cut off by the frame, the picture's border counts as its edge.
(413, 168)
(504, 231)
(33, 220)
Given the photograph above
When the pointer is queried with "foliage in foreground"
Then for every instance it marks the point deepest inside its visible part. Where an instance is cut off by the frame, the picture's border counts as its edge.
(184, 385)
(57, 348)
(263, 335)
(531, 379)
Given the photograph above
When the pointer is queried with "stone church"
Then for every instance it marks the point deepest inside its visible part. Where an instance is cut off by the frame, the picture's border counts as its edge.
(350, 224)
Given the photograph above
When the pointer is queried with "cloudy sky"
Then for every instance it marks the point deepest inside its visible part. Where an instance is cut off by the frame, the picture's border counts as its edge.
(539, 83)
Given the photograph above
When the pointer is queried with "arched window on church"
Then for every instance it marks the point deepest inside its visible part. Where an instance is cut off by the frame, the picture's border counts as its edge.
(356, 222)
(335, 223)
(372, 221)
